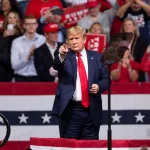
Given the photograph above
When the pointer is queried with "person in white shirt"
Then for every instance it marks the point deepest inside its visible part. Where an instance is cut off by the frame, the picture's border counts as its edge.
(22, 50)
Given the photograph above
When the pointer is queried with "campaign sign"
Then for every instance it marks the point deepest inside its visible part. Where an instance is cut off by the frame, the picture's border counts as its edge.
(95, 42)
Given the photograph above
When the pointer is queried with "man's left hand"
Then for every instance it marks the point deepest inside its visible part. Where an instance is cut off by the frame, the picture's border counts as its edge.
(94, 89)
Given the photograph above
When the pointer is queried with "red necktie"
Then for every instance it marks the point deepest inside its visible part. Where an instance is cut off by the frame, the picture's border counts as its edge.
(83, 81)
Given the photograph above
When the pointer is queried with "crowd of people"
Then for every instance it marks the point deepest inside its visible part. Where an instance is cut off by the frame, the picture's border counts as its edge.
(31, 32)
(37, 47)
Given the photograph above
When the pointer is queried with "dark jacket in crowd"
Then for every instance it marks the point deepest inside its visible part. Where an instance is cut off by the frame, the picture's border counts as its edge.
(6, 73)
(137, 50)
(43, 60)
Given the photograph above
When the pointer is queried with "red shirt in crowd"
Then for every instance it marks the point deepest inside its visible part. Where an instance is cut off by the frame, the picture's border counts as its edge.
(39, 7)
(124, 74)
(1, 22)
(116, 26)
(145, 64)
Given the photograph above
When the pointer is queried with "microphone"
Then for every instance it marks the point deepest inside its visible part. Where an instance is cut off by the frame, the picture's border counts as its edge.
(113, 52)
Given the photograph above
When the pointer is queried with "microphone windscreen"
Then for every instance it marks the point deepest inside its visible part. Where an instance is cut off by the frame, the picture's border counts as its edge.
(117, 46)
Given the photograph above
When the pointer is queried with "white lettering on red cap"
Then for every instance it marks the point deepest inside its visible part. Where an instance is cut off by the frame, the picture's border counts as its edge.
(92, 0)
(53, 26)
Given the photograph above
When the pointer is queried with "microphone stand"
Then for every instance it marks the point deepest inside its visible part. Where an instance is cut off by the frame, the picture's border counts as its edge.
(109, 131)
(6, 122)
(112, 54)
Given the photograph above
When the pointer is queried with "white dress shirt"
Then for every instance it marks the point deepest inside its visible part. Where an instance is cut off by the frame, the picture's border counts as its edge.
(52, 49)
(19, 52)
(77, 96)
(52, 71)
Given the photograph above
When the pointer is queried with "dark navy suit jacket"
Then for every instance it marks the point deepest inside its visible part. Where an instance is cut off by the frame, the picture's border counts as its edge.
(97, 73)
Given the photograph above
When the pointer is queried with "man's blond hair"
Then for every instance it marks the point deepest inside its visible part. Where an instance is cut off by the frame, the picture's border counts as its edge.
(76, 30)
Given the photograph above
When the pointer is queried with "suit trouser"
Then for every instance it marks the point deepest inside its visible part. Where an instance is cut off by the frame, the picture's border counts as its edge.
(76, 122)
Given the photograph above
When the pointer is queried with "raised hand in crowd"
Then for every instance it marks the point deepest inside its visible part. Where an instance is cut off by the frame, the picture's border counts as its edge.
(126, 61)
(121, 11)
(126, 70)
(145, 6)
(8, 33)
(31, 51)
(119, 66)
(48, 16)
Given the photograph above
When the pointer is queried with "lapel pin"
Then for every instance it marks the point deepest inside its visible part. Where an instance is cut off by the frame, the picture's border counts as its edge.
(91, 57)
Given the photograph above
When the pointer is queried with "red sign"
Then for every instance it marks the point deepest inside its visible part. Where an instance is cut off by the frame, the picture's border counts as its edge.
(73, 14)
(95, 42)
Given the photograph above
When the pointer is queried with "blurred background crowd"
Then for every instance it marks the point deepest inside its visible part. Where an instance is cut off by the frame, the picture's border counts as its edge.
(32, 30)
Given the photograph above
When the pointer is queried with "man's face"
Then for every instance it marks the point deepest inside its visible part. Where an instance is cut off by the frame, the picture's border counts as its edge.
(52, 37)
(135, 7)
(76, 42)
(94, 11)
(56, 19)
(30, 25)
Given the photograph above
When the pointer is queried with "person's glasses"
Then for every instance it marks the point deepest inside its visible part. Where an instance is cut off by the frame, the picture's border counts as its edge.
(30, 24)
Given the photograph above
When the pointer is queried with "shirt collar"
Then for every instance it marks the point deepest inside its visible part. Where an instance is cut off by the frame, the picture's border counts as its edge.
(25, 37)
(49, 46)
(83, 52)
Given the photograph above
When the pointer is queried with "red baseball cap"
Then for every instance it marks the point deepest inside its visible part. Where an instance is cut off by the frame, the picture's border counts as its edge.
(51, 27)
(105, 5)
(92, 3)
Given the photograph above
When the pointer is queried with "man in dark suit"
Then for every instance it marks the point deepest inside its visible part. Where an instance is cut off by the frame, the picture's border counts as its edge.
(82, 79)
(44, 55)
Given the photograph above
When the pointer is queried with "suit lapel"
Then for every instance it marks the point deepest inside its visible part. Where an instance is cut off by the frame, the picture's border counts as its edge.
(90, 59)
(47, 54)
